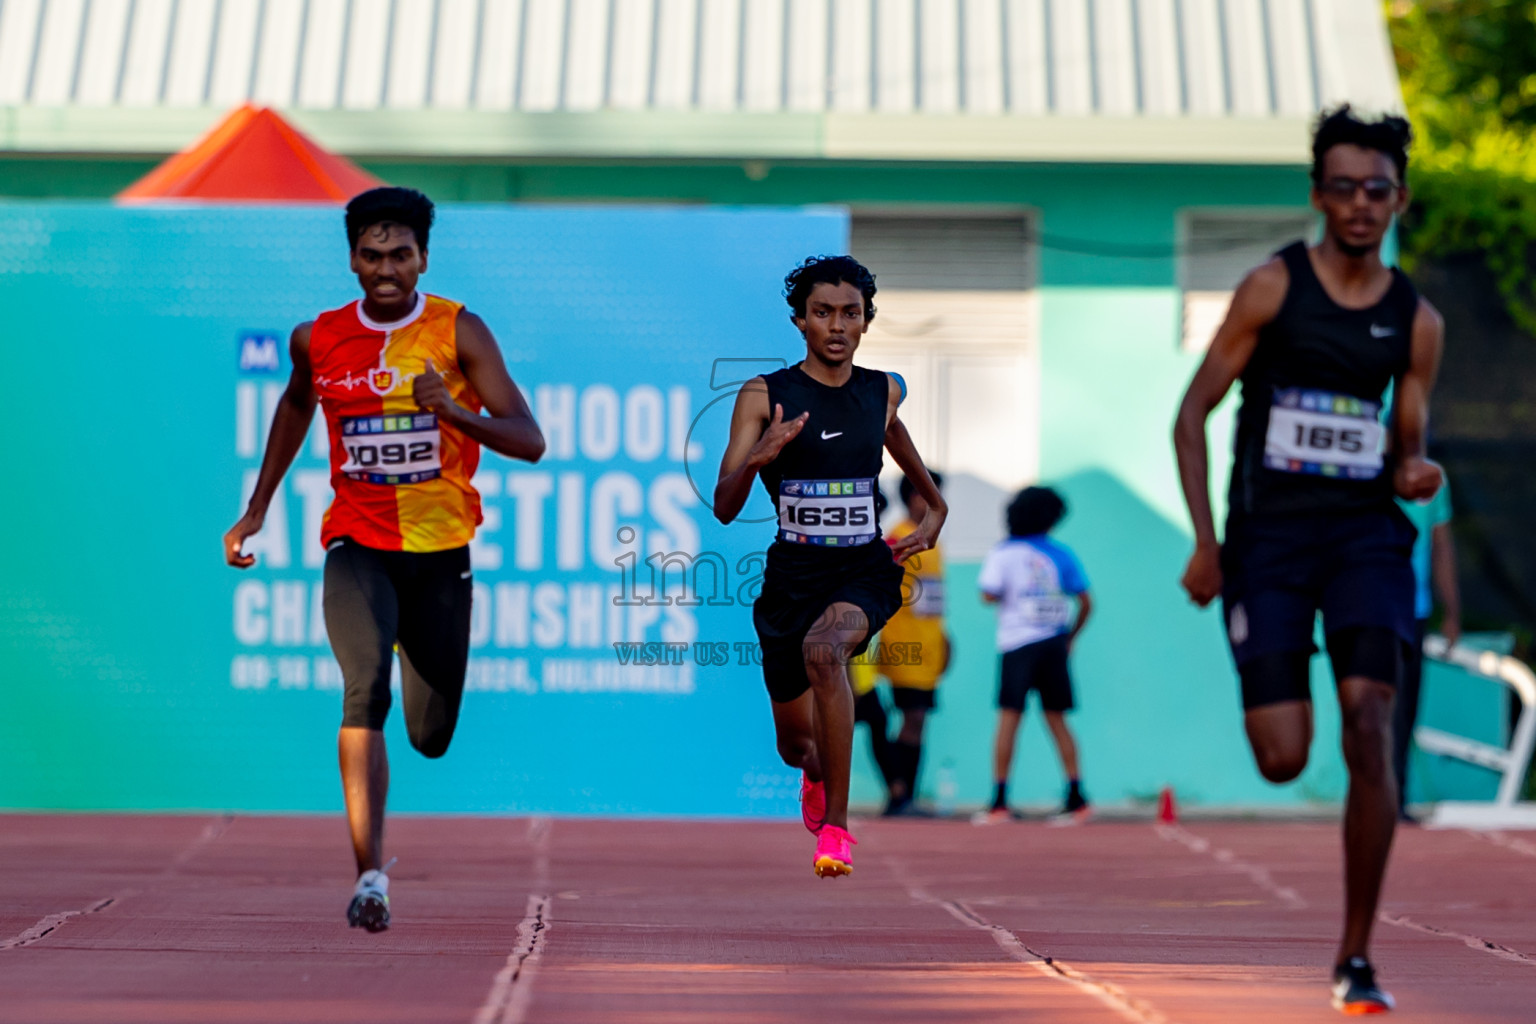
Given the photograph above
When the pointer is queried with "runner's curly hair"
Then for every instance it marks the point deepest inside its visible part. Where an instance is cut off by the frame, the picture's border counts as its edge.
(1035, 510)
(828, 270)
(1340, 126)
(405, 207)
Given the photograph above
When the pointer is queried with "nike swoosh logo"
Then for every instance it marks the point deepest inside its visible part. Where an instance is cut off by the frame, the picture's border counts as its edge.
(1382, 332)
(827, 437)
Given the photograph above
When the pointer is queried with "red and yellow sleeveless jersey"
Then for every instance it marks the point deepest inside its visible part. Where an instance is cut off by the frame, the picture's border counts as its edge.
(401, 478)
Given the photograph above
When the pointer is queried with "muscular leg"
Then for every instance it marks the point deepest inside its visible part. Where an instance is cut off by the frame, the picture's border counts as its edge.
(794, 726)
(1370, 810)
(826, 647)
(1002, 748)
(365, 783)
(1280, 735)
(1066, 746)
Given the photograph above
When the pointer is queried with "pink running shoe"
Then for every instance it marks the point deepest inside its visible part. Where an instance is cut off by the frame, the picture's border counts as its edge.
(834, 855)
(813, 803)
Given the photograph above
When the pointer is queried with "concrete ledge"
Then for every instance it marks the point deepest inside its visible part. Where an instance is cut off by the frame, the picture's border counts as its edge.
(631, 135)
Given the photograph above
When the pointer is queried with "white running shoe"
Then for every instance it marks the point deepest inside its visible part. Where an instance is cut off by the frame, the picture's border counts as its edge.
(370, 902)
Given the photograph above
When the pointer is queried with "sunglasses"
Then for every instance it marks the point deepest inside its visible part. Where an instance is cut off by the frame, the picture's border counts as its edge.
(1377, 190)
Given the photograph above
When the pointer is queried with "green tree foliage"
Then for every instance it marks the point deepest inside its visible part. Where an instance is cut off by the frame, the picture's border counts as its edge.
(1468, 69)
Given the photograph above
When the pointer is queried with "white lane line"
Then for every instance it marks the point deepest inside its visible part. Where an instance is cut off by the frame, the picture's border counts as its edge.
(211, 831)
(50, 924)
(1262, 877)
(512, 989)
(1256, 873)
(1470, 941)
(1137, 1011)
(1505, 842)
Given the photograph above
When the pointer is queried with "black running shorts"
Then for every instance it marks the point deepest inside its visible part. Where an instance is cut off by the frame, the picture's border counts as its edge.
(914, 698)
(375, 600)
(1040, 666)
(1280, 572)
(799, 585)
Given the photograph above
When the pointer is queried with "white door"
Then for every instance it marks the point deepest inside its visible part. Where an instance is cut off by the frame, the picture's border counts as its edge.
(957, 318)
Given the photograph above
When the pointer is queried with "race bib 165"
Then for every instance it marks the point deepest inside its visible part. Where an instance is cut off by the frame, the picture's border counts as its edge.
(1325, 434)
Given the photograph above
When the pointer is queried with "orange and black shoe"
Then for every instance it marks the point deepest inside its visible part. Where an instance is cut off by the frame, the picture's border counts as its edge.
(1355, 991)
(834, 853)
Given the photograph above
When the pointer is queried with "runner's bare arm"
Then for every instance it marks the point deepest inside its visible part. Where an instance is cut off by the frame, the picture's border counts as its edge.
(755, 441)
(1084, 609)
(290, 425)
(1254, 304)
(1414, 476)
(899, 443)
(509, 429)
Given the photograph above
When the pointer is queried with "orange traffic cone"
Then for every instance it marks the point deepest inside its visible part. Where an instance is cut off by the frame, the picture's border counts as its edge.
(1167, 813)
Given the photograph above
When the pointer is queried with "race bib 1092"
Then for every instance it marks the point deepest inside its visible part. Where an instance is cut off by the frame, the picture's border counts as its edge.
(402, 449)
(1325, 434)
(834, 513)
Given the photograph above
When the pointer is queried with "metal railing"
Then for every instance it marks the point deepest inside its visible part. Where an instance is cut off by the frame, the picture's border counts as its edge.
(1512, 763)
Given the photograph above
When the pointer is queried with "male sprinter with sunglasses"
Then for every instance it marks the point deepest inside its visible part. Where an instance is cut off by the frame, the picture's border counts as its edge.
(814, 433)
(1317, 335)
(402, 377)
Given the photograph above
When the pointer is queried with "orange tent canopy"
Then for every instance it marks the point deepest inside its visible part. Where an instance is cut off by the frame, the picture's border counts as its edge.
(254, 154)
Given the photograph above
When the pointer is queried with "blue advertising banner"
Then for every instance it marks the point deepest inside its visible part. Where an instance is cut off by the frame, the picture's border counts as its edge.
(612, 665)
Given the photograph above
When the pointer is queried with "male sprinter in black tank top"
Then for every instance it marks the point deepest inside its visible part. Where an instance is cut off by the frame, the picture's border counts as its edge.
(814, 434)
(1316, 336)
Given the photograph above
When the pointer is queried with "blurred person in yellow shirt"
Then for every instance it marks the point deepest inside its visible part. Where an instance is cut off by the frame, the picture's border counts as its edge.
(915, 651)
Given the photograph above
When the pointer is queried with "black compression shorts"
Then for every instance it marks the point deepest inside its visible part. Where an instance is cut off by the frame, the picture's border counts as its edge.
(799, 586)
(375, 600)
(1280, 572)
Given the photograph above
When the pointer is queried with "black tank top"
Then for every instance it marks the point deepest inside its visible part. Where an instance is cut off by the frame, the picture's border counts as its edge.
(1311, 434)
(841, 447)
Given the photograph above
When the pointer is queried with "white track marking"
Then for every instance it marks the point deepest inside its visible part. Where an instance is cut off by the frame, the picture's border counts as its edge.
(1265, 881)
(1112, 996)
(1136, 1011)
(512, 989)
(50, 924)
(1256, 873)
(210, 832)
(1470, 941)
(1506, 842)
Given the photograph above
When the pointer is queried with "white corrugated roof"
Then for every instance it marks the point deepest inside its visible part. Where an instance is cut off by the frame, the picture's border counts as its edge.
(1205, 59)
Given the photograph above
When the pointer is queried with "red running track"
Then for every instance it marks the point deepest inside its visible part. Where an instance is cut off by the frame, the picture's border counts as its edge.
(212, 920)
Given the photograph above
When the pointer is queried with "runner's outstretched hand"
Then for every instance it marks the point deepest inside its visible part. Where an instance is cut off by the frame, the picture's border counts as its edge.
(1202, 576)
(919, 540)
(431, 393)
(249, 524)
(776, 436)
(1417, 478)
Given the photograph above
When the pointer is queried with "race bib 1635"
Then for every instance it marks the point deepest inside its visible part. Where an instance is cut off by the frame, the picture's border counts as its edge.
(834, 513)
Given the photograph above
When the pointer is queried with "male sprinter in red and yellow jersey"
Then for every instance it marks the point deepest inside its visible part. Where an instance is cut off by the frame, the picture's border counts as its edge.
(403, 378)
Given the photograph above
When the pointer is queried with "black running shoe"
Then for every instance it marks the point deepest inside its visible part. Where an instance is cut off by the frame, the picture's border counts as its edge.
(370, 902)
(1355, 991)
